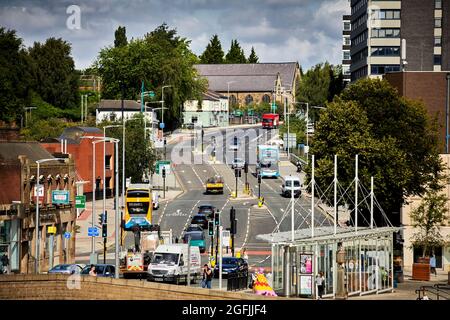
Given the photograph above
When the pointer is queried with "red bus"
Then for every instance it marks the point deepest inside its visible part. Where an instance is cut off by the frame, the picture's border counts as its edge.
(270, 120)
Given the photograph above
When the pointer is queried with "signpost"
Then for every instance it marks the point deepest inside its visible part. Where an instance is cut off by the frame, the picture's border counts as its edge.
(80, 202)
(162, 163)
(67, 235)
(60, 197)
(40, 194)
(93, 232)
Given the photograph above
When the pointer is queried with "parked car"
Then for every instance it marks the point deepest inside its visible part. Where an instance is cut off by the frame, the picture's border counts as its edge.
(189, 126)
(197, 239)
(194, 227)
(207, 210)
(231, 266)
(102, 270)
(67, 269)
(238, 163)
(201, 220)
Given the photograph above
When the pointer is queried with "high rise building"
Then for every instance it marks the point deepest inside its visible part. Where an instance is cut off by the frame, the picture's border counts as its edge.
(379, 27)
(346, 44)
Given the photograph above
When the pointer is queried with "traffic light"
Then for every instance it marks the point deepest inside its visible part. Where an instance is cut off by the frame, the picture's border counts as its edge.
(216, 218)
(163, 172)
(237, 173)
(233, 229)
(232, 214)
(211, 228)
(100, 218)
(246, 167)
(104, 230)
(259, 178)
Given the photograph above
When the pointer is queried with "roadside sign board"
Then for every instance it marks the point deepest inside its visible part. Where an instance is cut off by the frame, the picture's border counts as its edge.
(60, 196)
(226, 237)
(152, 94)
(67, 235)
(159, 143)
(80, 202)
(162, 163)
(40, 193)
(93, 232)
(162, 125)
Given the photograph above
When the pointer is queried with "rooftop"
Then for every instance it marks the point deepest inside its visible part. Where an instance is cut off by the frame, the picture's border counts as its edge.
(10, 151)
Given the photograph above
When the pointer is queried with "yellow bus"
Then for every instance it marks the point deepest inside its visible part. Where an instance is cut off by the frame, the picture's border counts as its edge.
(138, 207)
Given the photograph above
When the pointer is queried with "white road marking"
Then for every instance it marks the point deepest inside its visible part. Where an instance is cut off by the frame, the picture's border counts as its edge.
(187, 221)
(201, 181)
(164, 211)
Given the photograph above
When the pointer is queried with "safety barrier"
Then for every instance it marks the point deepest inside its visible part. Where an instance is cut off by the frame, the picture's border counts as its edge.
(440, 291)
(237, 281)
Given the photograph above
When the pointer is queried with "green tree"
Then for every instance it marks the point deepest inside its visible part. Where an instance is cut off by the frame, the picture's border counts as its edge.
(213, 53)
(42, 129)
(402, 161)
(15, 79)
(120, 37)
(55, 77)
(235, 54)
(160, 58)
(253, 58)
(140, 156)
(427, 219)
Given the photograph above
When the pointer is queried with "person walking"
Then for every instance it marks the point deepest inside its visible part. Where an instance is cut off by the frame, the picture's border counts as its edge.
(320, 281)
(5, 263)
(207, 276)
(92, 272)
(433, 264)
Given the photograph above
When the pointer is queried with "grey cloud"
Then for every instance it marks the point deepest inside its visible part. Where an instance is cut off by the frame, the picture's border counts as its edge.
(280, 30)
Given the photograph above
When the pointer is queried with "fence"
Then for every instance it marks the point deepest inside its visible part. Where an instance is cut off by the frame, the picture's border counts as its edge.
(237, 281)
(440, 291)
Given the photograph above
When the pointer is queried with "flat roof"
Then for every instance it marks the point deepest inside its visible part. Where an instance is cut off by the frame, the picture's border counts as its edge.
(322, 234)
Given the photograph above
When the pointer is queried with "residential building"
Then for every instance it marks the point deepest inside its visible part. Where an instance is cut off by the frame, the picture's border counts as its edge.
(111, 110)
(346, 44)
(252, 83)
(379, 28)
(411, 254)
(72, 142)
(212, 111)
(18, 200)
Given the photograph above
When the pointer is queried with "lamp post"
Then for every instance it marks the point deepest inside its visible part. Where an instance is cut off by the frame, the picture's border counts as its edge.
(38, 187)
(26, 118)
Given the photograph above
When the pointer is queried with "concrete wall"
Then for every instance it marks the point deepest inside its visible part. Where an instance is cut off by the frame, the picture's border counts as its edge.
(56, 287)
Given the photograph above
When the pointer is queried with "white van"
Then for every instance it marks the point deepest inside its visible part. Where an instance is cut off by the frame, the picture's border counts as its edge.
(291, 184)
(169, 263)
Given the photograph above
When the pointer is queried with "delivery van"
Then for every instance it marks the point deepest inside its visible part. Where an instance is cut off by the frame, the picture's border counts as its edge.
(169, 263)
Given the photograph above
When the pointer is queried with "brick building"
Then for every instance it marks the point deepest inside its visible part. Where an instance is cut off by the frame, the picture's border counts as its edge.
(18, 177)
(430, 87)
(82, 150)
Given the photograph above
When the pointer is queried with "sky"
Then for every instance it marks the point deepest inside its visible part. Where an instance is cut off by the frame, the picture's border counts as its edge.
(307, 31)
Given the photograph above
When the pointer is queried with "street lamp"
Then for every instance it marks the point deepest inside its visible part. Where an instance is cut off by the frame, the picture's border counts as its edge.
(26, 109)
(38, 187)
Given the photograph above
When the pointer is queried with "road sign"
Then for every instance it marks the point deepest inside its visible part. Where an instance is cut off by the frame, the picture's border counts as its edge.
(67, 235)
(51, 230)
(162, 125)
(60, 197)
(151, 94)
(226, 237)
(93, 232)
(162, 163)
(41, 193)
(80, 202)
(306, 149)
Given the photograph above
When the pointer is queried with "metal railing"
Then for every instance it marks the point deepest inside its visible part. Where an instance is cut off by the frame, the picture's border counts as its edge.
(440, 291)
(237, 281)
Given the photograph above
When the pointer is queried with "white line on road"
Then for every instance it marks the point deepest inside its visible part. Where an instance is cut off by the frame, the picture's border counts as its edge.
(187, 221)
(162, 215)
(201, 181)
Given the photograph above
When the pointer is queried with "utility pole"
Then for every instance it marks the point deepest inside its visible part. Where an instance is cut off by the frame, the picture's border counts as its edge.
(233, 228)
(164, 181)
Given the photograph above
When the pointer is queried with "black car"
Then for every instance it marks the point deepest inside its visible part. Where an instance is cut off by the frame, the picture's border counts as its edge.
(201, 220)
(232, 266)
(207, 210)
(194, 227)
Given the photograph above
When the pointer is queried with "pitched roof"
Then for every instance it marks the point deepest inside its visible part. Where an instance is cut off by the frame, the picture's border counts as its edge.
(10, 151)
(128, 105)
(252, 77)
(73, 134)
(213, 96)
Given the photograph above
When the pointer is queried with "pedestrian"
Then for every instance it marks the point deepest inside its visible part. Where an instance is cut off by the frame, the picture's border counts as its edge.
(433, 264)
(92, 272)
(244, 254)
(207, 276)
(5, 263)
(320, 281)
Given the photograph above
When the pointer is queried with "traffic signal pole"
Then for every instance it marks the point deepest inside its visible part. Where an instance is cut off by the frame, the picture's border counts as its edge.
(217, 241)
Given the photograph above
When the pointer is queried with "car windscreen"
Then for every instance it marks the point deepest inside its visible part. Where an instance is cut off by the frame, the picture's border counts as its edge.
(289, 183)
(165, 258)
(137, 194)
(60, 267)
(198, 219)
(229, 261)
(98, 269)
(194, 236)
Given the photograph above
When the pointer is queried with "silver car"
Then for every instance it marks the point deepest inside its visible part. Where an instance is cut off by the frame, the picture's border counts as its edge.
(67, 269)
(238, 163)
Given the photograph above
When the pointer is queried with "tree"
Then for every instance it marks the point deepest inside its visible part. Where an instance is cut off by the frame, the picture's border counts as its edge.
(140, 156)
(15, 79)
(235, 54)
(213, 53)
(160, 58)
(253, 58)
(120, 37)
(370, 119)
(55, 77)
(427, 219)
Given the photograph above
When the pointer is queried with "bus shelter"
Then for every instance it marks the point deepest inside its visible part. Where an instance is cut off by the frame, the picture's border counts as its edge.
(352, 262)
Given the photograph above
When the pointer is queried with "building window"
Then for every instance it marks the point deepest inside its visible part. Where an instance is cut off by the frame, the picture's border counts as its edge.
(385, 51)
(108, 162)
(233, 100)
(346, 41)
(248, 99)
(386, 33)
(108, 183)
(266, 98)
(437, 41)
(194, 119)
(438, 22)
(346, 55)
(438, 4)
(347, 26)
(386, 15)
(382, 69)
(437, 59)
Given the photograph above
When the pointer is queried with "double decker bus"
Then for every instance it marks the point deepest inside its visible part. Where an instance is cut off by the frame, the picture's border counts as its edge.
(268, 157)
(138, 207)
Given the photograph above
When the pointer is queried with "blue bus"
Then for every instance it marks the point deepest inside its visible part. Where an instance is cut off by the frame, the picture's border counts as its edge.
(268, 158)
